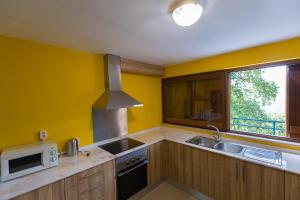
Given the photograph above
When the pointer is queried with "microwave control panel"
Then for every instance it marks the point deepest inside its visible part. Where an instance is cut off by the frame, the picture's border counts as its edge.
(53, 156)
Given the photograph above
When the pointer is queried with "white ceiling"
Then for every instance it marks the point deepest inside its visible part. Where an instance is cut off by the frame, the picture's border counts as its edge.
(143, 30)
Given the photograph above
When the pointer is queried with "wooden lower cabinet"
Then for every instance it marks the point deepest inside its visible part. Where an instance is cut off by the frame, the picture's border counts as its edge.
(223, 177)
(292, 186)
(97, 183)
(54, 191)
(173, 161)
(233, 179)
(260, 182)
(186, 165)
(195, 169)
(155, 166)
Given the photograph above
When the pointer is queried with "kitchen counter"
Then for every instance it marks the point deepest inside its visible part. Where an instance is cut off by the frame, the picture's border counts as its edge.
(290, 161)
(69, 166)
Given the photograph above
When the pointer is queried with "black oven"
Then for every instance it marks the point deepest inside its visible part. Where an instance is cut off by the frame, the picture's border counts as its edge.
(131, 173)
(132, 180)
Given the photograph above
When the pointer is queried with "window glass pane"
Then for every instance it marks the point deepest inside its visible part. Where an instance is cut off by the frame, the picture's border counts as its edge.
(178, 99)
(196, 100)
(257, 101)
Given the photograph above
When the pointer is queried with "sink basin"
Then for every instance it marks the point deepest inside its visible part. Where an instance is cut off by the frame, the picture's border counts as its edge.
(229, 147)
(202, 141)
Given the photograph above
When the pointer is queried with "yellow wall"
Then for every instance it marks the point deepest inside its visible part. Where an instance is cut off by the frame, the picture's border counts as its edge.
(275, 52)
(52, 88)
(146, 89)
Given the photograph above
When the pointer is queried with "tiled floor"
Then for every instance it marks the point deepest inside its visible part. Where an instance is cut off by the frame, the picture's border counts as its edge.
(166, 191)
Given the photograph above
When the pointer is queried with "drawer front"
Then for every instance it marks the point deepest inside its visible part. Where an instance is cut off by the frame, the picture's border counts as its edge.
(54, 191)
(95, 183)
(90, 182)
(96, 193)
(90, 172)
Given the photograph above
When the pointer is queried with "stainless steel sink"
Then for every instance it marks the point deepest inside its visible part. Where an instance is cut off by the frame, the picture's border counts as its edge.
(203, 141)
(229, 147)
(264, 155)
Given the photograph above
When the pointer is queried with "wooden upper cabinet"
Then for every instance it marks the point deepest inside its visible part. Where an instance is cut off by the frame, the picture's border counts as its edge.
(293, 100)
(196, 100)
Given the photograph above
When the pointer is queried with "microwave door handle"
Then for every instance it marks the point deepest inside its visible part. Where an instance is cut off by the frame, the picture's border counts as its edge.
(143, 163)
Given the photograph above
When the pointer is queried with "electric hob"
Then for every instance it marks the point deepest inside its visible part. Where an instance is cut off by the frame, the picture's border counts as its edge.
(121, 145)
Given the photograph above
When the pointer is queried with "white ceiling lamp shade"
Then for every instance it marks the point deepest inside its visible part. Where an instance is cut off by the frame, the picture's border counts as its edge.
(186, 13)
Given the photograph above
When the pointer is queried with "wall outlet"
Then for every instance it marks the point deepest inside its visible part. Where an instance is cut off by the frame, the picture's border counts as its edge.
(43, 135)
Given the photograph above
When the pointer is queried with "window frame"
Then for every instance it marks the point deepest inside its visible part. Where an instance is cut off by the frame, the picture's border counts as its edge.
(261, 66)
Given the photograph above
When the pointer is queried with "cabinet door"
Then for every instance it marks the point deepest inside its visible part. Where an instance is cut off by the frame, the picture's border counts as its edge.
(195, 169)
(223, 177)
(155, 166)
(292, 186)
(196, 100)
(54, 191)
(173, 157)
(92, 184)
(259, 182)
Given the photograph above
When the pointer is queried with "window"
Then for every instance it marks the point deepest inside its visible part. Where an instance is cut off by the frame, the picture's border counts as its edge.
(261, 101)
(258, 101)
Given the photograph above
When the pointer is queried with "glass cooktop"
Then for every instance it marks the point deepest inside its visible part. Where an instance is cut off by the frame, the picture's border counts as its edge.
(121, 145)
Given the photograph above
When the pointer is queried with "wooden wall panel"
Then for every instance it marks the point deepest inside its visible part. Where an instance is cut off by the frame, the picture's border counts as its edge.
(136, 67)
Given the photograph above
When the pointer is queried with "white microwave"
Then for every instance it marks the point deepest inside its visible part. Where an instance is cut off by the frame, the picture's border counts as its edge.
(26, 159)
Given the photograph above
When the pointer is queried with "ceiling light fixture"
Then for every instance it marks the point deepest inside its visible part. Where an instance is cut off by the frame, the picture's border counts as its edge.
(187, 12)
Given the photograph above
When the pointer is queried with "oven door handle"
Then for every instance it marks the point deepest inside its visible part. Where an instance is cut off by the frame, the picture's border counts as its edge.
(143, 163)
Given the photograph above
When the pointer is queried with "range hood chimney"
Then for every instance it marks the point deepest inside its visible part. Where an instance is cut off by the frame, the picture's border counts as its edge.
(114, 97)
(110, 110)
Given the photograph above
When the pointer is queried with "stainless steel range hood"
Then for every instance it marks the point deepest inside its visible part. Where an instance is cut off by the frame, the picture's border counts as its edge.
(110, 110)
(114, 97)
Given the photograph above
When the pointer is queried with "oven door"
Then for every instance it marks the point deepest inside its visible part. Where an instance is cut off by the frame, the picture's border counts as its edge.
(132, 180)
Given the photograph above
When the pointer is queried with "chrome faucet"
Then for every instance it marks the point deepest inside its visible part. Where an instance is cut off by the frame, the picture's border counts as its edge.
(218, 137)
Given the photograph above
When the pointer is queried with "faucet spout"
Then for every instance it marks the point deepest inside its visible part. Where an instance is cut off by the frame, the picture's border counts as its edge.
(218, 133)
